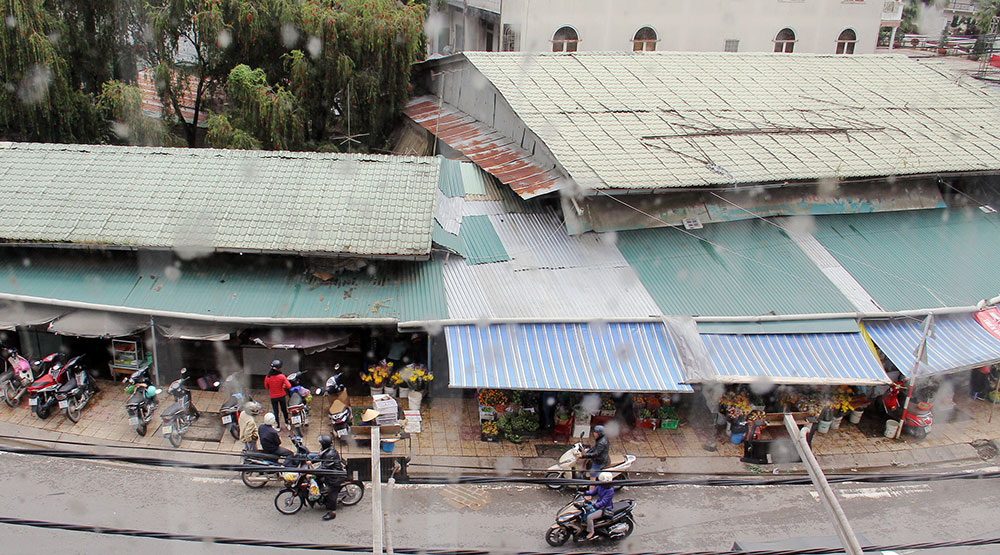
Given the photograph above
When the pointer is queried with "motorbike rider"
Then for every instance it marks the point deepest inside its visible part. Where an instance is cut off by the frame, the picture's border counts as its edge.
(270, 441)
(277, 385)
(329, 459)
(247, 425)
(599, 454)
(599, 497)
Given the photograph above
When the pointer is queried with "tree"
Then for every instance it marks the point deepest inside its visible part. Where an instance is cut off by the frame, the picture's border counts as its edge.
(121, 104)
(101, 37)
(259, 115)
(986, 10)
(38, 101)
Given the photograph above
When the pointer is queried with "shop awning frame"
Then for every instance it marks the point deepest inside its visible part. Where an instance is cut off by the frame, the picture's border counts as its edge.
(958, 343)
(609, 357)
(794, 359)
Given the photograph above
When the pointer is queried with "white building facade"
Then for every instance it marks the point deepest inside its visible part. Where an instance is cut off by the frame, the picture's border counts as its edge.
(813, 26)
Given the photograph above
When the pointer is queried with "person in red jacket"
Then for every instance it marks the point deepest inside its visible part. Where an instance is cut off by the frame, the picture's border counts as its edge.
(277, 386)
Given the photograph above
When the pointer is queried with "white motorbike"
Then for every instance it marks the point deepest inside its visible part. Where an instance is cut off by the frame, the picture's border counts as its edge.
(571, 466)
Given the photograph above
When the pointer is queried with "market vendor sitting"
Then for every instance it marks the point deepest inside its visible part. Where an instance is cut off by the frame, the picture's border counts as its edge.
(368, 417)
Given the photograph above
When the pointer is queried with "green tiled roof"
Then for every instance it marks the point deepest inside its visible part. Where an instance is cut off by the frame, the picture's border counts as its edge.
(205, 199)
(920, 258)
(224, 287)
(744, 268)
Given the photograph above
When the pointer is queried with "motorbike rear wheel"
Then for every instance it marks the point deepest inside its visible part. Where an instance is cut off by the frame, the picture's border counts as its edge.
(287, 502)
(631, 527)
(10, 394)
(351, 493)
(43, 412)
(254, 479)
(557, 536)
(140, 429)
(554, 475)
(73, 410)
(918, 432)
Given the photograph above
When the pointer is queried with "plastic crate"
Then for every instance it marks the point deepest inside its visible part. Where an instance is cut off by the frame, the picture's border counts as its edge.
(669, 424)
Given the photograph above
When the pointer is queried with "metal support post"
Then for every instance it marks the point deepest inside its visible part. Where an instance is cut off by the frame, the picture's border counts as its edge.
(377, 519)
(156, 360)
(920, 355)
(892, 39)
(826, 495)
(388, 510)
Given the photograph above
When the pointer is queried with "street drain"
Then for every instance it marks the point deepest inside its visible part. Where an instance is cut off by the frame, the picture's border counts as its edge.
(986, 448)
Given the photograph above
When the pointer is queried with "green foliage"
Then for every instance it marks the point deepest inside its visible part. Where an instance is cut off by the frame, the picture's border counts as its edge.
(986, 10)
(267, 114)
(122, 104)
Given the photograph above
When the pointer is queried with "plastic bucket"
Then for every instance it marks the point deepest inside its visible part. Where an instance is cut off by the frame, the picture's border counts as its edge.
(824, 426)
(736, 438)
(890, 428)
(388, 446)
(855, 416)
(835, 423)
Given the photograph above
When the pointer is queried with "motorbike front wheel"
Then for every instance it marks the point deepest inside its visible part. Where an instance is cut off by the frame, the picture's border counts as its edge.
(553, 475)
(140, 429)
(287, 502)
(351, 493)
(73, 410)
(557, 536)
(10, 394)
(918, 432)
(175, 438)
(254, 479)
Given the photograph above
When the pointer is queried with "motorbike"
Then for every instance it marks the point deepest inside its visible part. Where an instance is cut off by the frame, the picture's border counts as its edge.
(298, 403)
(571, 466)
(340, 408)
(229, 409)
(42, 391)
(21, 373)
(301, 488)
(142, 400)
(571, 522)
(919, 416)
(254, 479)
(78, 390)
(179, 416)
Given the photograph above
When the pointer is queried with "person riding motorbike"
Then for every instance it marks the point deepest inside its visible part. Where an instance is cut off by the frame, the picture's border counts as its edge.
(270, 441)
(247, 425)
(329, 459)
(598, 455)
(604, 493)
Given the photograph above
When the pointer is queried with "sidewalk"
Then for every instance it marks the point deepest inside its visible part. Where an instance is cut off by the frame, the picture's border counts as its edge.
(450, 436)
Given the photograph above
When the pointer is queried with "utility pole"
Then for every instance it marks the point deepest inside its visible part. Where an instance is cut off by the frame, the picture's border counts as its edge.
(920, 357)
(377, 517)
(826, 495)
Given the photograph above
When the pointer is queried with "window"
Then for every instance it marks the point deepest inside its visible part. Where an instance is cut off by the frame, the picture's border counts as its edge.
(489, 36)
(732, 45)
(846, 41)
(565, 40)
(784, 41)
(509, 39)
(645, 39)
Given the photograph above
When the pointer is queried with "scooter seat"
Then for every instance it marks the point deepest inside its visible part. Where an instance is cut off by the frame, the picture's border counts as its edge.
(137, 398)
(172, 410)
(621, 506)
(295, 400)
(617, 460)
(68, 386)
(231, 405)
(260, 455)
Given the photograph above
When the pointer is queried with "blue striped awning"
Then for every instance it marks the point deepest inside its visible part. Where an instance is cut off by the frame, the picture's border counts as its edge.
(565, 357)
(958, 343)
(807, 358)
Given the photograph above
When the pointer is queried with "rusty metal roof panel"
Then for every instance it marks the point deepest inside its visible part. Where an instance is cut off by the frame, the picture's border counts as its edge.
(485, 146)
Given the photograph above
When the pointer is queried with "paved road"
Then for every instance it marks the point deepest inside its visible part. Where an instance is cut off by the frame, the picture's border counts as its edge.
(669, 518)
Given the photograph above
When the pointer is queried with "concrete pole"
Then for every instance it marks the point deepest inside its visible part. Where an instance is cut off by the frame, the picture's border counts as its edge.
(156, 358)
(826, 495)
(387, 514)
(892, 39)
(377, 519)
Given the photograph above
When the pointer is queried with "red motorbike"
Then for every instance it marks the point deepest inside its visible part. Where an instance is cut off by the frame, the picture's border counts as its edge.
(919, 416)
(43, 390)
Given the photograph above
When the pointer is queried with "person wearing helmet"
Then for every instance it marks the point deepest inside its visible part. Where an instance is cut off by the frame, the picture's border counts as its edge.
(247, 425)
(277, 386)
(600, 498)
(598, 455)
(329, 459)
(270, 441)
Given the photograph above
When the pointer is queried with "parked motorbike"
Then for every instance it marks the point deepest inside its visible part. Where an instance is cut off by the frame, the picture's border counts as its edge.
(78, 390)
(142, 400)
(179, 416)
(19, 375)
(239, 396)
(571, 466)
(42, 392)
(254, 479)
(298, 403)
(571, 522)
(340, 408)
(302, 488)
(919, 415)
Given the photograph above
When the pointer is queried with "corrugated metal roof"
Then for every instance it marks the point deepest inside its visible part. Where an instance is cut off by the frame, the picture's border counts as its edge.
(654, 120)
(805, 358)
(958, 342)
(482, 245)
(565, 357)
(744, 268)
(826, 325)
(198, 199)
(917, 259)
(484, 145)
(227, 288)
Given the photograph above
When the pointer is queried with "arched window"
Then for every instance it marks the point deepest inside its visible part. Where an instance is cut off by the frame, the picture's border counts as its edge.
(645, 39)
(565, 40)
(784, 41)
(846, 41)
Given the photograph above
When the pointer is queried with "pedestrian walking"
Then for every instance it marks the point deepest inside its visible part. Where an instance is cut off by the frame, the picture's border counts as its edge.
(277, 386)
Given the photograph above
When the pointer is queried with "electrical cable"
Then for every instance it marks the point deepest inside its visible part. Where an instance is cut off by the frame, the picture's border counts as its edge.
(225, 540)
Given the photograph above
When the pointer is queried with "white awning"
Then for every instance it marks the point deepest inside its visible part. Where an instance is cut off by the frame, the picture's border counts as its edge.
(94, 323)
(13, 314)
(193, 331)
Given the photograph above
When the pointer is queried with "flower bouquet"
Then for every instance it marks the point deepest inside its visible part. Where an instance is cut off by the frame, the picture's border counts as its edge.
(377, 375)
(493, 398)
(416, 377)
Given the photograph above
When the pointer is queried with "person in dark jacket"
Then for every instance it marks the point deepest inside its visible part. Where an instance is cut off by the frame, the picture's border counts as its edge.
(600, 454)
(270, 441)
(601, 498)
(277, 386)
(329, 459)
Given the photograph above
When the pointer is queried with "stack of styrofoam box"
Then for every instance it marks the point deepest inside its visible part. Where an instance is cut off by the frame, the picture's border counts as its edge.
(388, 410)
